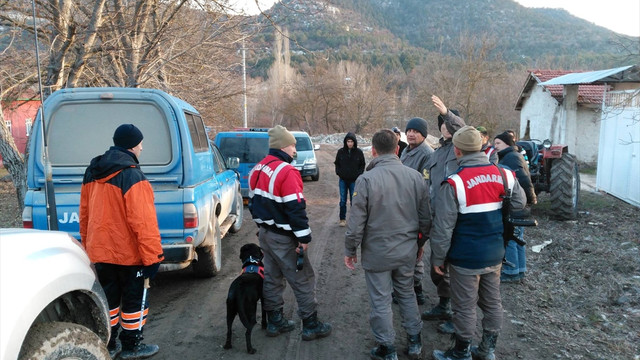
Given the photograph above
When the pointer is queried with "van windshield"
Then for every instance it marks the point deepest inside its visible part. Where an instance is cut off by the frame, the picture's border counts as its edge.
(303, 143)
(248, 149)
(78, 132)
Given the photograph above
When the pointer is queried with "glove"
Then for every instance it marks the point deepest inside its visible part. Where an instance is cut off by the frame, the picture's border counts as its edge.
(150, 271)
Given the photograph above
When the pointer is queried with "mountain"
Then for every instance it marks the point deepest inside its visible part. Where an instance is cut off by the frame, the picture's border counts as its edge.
(374, 30)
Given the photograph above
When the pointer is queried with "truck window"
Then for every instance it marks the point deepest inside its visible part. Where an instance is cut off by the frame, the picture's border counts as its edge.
(198, 132)
(248, 149)
(77, 132)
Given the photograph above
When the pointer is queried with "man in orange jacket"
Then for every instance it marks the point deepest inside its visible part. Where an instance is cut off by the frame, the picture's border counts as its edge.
(119, 230)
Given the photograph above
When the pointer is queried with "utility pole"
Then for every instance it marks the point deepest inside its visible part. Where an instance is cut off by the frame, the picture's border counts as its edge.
(244, 83)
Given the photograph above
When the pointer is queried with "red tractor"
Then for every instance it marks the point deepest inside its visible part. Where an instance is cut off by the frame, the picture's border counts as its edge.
(554, 170)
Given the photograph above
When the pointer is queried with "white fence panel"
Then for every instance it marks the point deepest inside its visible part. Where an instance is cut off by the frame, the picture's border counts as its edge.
(619, 149)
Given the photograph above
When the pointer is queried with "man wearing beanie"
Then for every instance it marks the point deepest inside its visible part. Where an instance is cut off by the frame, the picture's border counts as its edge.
(278, 207)
(122, 240)
(416, 155)
(510, 158)
(442, 164)
(467, 239)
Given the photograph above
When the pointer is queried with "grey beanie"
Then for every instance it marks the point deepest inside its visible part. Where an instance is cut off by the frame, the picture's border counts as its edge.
(127, 136)
(467, 139)
(419, 125)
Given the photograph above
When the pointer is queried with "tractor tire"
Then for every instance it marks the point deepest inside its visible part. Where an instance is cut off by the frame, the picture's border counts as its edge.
(565, 187)
(209, 260)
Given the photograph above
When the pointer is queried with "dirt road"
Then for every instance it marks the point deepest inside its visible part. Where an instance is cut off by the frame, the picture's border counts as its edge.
(580, 299)
(188, 315)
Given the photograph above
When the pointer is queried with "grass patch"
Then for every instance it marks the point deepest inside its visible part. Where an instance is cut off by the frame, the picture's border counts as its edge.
(588, 169)
(3, 172)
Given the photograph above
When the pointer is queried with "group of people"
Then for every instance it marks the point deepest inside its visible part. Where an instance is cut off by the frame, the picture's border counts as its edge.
(451, 196)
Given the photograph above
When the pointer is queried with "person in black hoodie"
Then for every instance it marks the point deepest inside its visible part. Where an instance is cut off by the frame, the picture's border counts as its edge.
(349, 165)
(511, 158)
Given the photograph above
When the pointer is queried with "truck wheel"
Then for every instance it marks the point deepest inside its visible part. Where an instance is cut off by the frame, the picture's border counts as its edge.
(239, 211)
(209, 256)
(565, 187)
(316, 177)
(62, 340)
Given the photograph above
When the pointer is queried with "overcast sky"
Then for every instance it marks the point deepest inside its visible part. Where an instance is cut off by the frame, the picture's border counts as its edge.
(622, 16)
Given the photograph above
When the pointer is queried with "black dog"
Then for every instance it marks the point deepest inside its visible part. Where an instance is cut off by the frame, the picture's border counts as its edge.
(244, 293)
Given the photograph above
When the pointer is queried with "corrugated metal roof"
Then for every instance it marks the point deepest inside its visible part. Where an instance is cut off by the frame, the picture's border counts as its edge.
(587, 77)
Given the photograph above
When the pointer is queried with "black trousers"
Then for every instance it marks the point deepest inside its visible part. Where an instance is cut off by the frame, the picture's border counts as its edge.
(124, 287)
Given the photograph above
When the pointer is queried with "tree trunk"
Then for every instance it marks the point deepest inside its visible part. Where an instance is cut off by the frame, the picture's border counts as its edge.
(13, 161)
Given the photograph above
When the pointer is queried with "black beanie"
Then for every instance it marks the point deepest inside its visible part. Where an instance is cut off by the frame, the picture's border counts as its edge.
(506, 138)
(441, 119)
(127, 136)
(419, 125)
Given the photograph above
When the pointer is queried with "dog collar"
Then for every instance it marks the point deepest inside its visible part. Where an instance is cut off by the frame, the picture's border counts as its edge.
(249, 269)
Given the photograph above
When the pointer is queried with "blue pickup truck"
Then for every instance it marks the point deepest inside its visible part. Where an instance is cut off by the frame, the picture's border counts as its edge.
(197, 193)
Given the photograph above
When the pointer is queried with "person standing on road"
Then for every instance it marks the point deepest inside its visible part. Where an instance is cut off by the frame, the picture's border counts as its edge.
(487, 148)
(390, 208)
(467, 239)
(119, 230)
(442, 164)
(277, 205)
(516, 266)
(349, 165)
(401, 144)
(416, 155)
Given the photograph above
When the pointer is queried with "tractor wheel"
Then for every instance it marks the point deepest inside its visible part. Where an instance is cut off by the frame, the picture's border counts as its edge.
(565, 187)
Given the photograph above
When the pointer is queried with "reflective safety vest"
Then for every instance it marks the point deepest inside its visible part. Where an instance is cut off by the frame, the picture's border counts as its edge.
(477, 237)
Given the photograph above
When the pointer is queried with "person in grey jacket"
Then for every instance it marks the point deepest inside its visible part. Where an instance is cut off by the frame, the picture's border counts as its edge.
(467, 239)
(416, 156)
(442, 163)
(390, 207)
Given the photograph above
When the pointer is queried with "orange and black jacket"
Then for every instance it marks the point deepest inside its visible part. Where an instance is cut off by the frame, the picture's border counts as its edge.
(118, 223)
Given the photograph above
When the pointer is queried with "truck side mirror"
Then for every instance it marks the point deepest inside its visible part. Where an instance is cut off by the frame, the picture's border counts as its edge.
(233, 163)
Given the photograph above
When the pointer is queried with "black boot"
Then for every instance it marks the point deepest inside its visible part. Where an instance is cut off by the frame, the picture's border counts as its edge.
(415, 346)
(446, 328)
(442, 311)
(460, 351)
(384, 352)
(114, 347)
(133, 348)
(277, 324)
(312, 328)
(487, 347)
(419, 295)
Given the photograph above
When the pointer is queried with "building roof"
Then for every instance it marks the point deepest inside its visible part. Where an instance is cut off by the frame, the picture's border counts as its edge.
(587, 94)
(628, 73)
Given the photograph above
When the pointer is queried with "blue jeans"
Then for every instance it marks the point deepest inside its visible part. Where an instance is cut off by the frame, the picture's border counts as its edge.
(344, 187)
(515, 254)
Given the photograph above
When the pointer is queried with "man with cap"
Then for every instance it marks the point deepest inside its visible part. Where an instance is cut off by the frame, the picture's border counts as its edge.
(487, 148)
(277, 205)
(401, 144)
(442, 164)
(466, 238)
(416, 155)
(119, 230)
(390, 208)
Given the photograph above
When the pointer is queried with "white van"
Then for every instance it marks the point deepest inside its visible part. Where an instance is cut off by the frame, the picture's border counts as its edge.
(305, 160)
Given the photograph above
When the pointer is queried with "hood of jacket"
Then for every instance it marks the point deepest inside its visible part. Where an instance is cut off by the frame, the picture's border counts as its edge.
(112, 161)
(351, 136)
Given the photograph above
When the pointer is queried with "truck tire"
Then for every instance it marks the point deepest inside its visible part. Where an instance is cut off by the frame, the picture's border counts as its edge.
(565, 187)
(239, 212)
(62, 340)
(209, 256)
(316, 177)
